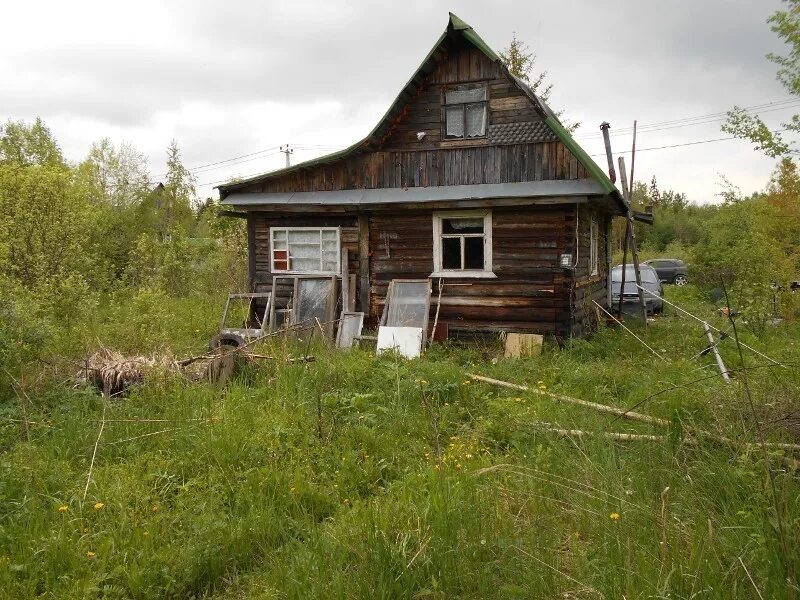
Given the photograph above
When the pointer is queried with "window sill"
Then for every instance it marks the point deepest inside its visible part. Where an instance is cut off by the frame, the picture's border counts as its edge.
(463, 275)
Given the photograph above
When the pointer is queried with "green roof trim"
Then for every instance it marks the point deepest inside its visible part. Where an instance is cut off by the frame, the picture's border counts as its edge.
(580, 154)
(454, 24)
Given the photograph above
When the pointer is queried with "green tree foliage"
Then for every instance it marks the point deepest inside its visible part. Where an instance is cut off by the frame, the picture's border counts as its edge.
(746, 125)
(44, 224)
(520, 61)
(178, 193)
(115, 176)
(26, 145)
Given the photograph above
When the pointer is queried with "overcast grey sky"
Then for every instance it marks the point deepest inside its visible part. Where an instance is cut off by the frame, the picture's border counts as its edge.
(233, 78)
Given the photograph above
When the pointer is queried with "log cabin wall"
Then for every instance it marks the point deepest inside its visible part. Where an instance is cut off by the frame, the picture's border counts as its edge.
(589, 286)
(531, 293)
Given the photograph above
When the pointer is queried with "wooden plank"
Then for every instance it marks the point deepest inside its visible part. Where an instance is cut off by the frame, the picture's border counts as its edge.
(363, 258)
(251, 250)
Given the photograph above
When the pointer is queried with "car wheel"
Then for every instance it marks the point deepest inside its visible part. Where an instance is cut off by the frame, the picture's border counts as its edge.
(681, 280)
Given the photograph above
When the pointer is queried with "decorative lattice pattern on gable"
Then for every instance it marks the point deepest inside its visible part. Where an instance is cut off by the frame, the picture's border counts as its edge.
(521, 133)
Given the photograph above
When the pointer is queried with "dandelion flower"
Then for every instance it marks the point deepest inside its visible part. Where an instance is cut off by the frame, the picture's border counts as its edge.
(90, 554)
(63, 508)
(614, 516)
(155, 508)
(98, 505)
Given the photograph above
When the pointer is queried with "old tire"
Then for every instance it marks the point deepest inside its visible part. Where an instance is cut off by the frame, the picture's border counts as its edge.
(230, 340)
(681, 280)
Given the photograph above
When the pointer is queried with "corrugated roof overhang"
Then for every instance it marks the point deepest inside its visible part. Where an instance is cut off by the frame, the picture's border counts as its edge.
(422, 195)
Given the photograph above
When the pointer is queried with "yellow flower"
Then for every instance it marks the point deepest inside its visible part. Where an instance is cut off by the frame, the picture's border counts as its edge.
(155, 508)
(614, 516)
(98, 505)
(423, 382)
(64, 508)
(90, 554)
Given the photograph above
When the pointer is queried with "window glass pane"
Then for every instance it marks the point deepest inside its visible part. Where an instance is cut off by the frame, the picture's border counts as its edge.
(455, 121)
(279, 234)
(407, 304)
(304, 237)
(476, 120)
(312, 300)
(462, 225)
(329, 234)
(473, 253)
(305, 264)
(465, 94)
(451, 253)
(279, 244)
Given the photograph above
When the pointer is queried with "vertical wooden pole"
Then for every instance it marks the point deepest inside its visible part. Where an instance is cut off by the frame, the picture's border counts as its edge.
(630, 240)
(710, 336)
(345, 281)
(251, 252)
(363, 263)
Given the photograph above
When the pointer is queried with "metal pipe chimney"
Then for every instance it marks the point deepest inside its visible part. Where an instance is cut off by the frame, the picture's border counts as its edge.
(612, 175)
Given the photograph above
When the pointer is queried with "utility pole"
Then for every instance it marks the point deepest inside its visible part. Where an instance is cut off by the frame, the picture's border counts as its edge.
(288, 152)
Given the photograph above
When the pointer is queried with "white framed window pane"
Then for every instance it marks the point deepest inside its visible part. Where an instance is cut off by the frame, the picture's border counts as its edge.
(408, 304)
(454, 116)
(279, 235)
(451, 253)
(279, 244)
(463, 94)
(476, 119)
(329, 235)
(462, 225)
(305, 264)
(304, 237)
(304, 251)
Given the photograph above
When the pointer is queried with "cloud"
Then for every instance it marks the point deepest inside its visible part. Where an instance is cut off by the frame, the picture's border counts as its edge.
(234, 78)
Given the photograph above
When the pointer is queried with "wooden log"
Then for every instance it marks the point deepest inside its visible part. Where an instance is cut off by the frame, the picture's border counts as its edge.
(570, 400)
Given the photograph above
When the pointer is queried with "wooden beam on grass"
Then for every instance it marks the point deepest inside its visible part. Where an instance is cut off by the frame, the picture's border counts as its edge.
(570, 400)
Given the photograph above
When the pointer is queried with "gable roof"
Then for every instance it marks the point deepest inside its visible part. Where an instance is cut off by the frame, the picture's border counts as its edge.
(455, 27)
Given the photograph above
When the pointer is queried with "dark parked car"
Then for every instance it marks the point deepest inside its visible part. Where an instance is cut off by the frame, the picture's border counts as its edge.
(630, 298)
(670, 270)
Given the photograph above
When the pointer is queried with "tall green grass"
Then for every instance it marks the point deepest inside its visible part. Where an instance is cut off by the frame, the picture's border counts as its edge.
(375, 477)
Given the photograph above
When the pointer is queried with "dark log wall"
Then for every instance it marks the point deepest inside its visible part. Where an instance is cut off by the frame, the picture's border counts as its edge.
(531, 293)
(588, 288)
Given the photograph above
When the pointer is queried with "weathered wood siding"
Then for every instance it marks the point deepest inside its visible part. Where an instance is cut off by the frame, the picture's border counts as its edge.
(531, 292)
(587, 287)
(423, 168)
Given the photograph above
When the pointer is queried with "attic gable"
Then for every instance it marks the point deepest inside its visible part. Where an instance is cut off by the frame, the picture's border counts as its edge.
(512, 117)
(458, 34)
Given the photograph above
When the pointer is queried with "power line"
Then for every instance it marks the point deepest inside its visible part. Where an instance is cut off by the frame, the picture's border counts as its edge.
(683, 144)
(699, 119)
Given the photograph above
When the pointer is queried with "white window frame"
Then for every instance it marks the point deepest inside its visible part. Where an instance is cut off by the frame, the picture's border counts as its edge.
(290, 271)
(486, 272)
(594, 246)
(464, 105)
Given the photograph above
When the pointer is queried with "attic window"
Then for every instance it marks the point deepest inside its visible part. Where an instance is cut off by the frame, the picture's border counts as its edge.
(466, 111)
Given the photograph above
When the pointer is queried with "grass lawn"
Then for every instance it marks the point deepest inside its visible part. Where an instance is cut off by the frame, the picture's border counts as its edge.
(375, 477)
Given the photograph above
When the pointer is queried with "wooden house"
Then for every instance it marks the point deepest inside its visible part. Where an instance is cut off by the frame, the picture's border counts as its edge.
(469, 180)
